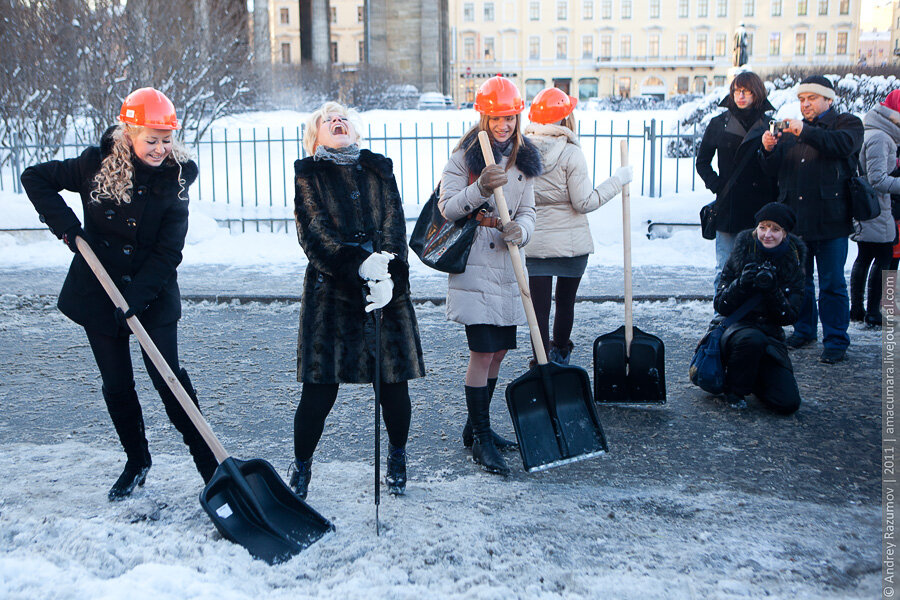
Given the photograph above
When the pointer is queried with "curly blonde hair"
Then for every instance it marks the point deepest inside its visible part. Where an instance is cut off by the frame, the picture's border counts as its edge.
(315, 119)
(113, 182)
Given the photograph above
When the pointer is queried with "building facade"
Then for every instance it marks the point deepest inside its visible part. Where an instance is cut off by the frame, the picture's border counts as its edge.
(895, 31)
(598, 48)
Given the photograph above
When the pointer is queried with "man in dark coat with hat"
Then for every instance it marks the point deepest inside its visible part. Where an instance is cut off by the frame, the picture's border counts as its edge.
(812, 161)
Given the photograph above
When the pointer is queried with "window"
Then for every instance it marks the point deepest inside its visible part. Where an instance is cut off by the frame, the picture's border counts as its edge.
(821, 42)
(362, 51)
(749, 7)
(532, 87)
(606, 47)
(683, 83)
(562, 46)
(845, 7)
(469, 48)
(534, 47)
(702, 8)
(587, 10)
(489, 49)
(774, 44)
(626, 9)
(334, 56)
(605, 9)
(721, 8)
(719, 80)
(534, 10)
(681, 44)
(625, 46)
(360, 14)
(587, 88)
(333, 14)
(776, 8)
(285, 16)
(624, 87)
(801, 8)
(721, 44)
(683, 8)
(749, 44)
(488, 12)
(823, 7)
(654, 9)
(468, 12)
(562, 10)
(285, 54)
(653, 46)
(841, 43)
(800, 43)
(702, 43)
(587, 46)
(699, 84)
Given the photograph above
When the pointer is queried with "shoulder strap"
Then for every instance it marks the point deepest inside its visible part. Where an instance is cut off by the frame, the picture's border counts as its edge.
(742, 310)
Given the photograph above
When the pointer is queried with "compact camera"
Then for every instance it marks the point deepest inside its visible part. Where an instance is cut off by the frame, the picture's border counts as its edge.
(778, 126)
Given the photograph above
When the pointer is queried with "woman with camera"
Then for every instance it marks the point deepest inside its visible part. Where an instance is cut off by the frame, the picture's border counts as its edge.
(765, 271)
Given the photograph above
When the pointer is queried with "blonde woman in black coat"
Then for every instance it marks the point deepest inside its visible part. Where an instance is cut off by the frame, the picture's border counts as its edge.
(133, 189)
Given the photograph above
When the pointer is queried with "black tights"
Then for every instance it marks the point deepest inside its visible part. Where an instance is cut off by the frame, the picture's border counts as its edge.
(113, 356)
(566, 288)
(879, 255)
(317, 399)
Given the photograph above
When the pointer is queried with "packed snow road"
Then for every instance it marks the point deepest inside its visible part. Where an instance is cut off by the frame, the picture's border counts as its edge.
(694, 500)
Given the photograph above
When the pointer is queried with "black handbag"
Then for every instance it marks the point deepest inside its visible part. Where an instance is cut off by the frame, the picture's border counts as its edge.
(707, 370)
(708, 221)
(864, 204)
(441, 244)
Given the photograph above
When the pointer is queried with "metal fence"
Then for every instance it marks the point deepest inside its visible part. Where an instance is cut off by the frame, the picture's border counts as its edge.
(246, 174)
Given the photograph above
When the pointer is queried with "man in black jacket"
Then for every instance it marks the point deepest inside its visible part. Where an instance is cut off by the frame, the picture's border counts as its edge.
(811, 160)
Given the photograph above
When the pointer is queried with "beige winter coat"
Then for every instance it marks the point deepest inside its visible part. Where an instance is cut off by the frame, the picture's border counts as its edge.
(487, 292)
(563, 195)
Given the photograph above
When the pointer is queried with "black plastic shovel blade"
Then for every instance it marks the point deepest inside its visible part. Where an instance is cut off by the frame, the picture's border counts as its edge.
(640, 379)
(251, 505)
(554, 416)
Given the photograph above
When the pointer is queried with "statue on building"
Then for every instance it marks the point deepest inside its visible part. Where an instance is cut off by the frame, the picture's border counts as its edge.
(740, 46)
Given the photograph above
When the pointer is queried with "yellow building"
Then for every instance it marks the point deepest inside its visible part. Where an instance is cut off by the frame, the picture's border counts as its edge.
(284, 31)
(602, 48)
(895, 31)
(348, 45)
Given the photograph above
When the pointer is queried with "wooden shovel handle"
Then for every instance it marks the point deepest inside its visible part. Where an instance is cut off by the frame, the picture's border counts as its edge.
(150, 348)
(626, 243)
(515, 257)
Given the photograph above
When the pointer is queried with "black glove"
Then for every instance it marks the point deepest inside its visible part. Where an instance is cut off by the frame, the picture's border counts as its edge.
(70, 235)
(121, 316)
(748, 276)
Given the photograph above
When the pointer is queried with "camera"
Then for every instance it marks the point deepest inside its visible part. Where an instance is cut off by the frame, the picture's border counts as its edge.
(778, 126)
(765, 276)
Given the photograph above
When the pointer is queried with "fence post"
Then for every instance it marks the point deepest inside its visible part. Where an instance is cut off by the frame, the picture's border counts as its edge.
(16, 163)
(651, 137)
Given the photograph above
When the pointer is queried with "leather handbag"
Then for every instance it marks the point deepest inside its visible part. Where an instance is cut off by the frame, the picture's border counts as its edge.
(864, 204)
(707, 370)
(708, 221)
(441, 244)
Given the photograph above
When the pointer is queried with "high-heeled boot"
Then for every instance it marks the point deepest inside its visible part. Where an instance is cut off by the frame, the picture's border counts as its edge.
(396, 470)
(484, 452)
(128, 421)
(300, 474)
(501, 442)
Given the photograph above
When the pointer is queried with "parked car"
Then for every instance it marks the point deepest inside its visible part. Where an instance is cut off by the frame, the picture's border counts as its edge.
(432, 101)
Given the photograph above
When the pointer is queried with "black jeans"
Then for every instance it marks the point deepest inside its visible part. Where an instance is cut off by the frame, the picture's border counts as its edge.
(317, 400)
(879, 256)
(541, 290)
(749, 368)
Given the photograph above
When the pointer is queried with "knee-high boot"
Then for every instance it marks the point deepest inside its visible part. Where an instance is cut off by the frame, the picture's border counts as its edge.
(484, 452)
(203, 457)
(501, 442)
(128, 420)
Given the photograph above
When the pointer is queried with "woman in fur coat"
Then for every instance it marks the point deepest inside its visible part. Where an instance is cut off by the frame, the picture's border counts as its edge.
(563, 195)
(765, 267)
(351, 227)
(485, 298)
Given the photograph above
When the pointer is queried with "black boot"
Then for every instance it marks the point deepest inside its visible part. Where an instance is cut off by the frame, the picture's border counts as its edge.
(484, 452)
(560, 354)
(502, 443)
(396, 470)
(125, 412)
(300, 473)
(203, 457)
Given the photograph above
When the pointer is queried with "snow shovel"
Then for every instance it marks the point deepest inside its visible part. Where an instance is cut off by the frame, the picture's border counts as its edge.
(550, 405)
(629, 364)
(247, 501)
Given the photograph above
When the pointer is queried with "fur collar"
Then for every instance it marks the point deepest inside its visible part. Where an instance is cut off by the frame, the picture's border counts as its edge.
(884, 119)
(528, 159)
(381, 165)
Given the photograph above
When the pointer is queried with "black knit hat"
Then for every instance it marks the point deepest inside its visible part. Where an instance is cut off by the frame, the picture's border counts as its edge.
(778, 213)
(817, 84)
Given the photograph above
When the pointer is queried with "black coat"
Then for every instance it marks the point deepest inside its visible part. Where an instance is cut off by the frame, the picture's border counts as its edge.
(726, 137)
(339, 210)
(779, 307)
(139, 243)
(813, 172)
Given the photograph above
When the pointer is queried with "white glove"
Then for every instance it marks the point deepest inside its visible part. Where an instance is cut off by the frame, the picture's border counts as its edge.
(380, 293)
(624, 175)
(512, 233)
(375, 267)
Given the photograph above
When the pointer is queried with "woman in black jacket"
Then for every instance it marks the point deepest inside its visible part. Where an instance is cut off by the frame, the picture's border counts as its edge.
(351, 227)
(765, 268)
(133, 189)
(735, 137)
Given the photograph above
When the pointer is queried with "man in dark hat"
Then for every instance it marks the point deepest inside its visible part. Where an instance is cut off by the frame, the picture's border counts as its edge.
(812, 160)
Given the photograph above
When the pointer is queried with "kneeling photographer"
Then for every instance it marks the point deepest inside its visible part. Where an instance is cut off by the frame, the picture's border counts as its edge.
(765, 270)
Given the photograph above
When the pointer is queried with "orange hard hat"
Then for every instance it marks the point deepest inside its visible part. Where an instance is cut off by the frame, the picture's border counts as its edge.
(551, 105)
(498, 97)
(148, 107)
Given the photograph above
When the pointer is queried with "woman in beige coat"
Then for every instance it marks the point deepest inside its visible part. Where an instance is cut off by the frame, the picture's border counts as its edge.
(485, 298)
(563, 196)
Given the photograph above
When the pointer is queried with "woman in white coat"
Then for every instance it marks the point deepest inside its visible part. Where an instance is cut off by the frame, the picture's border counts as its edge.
(563, 196)
(485, 298)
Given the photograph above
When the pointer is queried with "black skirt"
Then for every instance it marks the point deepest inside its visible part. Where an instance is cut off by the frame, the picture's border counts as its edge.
(491, 338)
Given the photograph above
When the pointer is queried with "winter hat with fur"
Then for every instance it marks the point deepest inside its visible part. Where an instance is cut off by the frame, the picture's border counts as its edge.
(892, 101)
(779, 213)
(816, 84)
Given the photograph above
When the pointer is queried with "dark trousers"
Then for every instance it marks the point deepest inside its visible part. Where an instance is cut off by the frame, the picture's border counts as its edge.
(833, 307)
(750, 369)
(564, 318)
(317, 400)
(879, 256)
